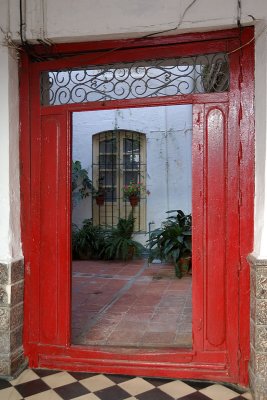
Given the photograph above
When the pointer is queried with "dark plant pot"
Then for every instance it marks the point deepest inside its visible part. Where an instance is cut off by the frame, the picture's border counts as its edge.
(84, 254)
(131, 252)
(100, 200)
(134, 200)
(185, 265)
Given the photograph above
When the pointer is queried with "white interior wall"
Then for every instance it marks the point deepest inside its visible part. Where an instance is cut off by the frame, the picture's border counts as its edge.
(81, 20)
(10, 244)
(69, 21)
(168, 133)
(260, 243)
(14, 164)
(4, 157)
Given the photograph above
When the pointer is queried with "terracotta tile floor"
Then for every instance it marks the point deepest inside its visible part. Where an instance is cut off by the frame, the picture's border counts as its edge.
(130, 304)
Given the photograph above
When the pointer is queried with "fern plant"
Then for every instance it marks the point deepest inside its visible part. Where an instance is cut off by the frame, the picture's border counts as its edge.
(172, 242)
(88, 241)
(119, 242)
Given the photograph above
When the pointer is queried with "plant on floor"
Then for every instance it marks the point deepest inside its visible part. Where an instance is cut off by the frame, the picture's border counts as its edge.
(173, 241)
(119, 241)
(87, 241)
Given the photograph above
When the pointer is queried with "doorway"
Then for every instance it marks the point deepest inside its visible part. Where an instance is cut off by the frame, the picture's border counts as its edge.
(123, 299)
(222, 200)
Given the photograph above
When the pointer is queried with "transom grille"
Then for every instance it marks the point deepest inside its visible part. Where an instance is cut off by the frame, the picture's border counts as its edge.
(184, 75)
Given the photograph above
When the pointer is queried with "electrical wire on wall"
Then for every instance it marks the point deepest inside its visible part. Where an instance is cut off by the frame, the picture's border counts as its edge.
(7, 40)
(22, 24)
(239, 12)
(29, 48)
(48, 43)
(239, 25)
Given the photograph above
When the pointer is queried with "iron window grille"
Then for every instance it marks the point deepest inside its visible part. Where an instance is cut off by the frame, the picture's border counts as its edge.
(204, 73)
(119, 156)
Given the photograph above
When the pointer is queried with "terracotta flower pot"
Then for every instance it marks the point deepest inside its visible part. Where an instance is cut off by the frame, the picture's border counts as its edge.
(100, 199)
(134, 200)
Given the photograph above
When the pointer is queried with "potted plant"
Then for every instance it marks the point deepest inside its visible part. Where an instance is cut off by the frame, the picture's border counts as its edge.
(81, 183)
(87, 241)
(119, 243)
(172, 242)
(133, 191)
(99, 194)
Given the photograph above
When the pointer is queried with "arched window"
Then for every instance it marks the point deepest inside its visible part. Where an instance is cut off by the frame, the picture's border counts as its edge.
(119, 158)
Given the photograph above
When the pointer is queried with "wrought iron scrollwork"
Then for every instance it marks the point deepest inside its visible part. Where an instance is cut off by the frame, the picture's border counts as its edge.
(183, 75)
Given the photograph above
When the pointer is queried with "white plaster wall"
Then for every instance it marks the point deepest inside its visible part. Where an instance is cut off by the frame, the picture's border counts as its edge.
(10, 243)
(10, 246)
(68, 20)
(260, 244)
(168, 139)
(14, 174)
(4, 157)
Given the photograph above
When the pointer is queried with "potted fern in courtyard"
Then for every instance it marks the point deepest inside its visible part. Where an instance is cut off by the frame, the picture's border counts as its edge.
(119, 242)
(87, 241)
(173, 241)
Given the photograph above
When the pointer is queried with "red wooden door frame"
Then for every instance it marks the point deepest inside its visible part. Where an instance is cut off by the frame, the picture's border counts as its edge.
(220, 346)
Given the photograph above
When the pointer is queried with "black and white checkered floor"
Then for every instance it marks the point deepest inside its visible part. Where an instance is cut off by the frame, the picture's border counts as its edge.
(42, 384)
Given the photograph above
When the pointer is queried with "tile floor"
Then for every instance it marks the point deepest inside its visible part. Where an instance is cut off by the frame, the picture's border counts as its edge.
(42, 384)
(130, 304)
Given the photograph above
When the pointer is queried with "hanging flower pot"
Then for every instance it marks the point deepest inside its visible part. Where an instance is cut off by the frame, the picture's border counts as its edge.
(134, 200)
(132, 192)
(100, 199)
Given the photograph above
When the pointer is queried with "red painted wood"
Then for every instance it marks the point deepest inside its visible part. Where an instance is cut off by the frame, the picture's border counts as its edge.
(215, 222)
(198, 318)
(134, 103)
(32, 245)
(133, 54)
(166, 362)
(220, 305)
(68, 49)
(53, 228)
(246, 207)
(233, 214)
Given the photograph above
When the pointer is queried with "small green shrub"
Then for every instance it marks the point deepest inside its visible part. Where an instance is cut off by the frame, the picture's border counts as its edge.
(119, 243)
(173, 241)
(81, 183)
(88, 241)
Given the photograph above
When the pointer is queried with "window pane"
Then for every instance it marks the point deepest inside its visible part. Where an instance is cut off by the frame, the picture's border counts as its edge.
(110, 195)
(131, 146)
(108, 146)
(108, 178)
(107, 161)
(131, 176)
(131, 161)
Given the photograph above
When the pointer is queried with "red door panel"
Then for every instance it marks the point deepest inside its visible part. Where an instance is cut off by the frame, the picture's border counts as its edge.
(215, 221)
(54, 227)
